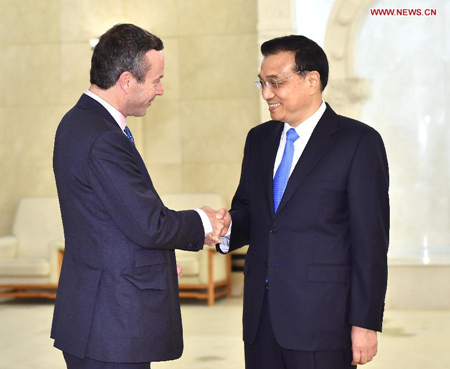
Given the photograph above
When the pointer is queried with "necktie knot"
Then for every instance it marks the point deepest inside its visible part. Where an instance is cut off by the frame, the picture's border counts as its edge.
(129, 135)
(292, 135)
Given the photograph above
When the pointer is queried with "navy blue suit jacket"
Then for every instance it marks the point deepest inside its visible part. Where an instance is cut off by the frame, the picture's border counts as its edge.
(117, 298)
(325, 250)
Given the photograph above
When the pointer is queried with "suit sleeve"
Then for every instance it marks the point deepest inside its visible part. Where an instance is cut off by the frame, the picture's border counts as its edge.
(133, 205)
(240, 205)
(369, 230)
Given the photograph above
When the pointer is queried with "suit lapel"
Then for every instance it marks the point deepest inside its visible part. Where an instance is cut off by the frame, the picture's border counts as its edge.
(320, 141)
(270, 145)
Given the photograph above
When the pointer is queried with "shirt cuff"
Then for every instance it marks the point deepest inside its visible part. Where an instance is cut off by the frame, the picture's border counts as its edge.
(224, 244)
(205, 220)
(225, 240)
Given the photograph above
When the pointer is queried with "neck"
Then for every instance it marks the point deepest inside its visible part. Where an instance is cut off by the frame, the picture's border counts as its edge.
(311, 109)
(110, 96)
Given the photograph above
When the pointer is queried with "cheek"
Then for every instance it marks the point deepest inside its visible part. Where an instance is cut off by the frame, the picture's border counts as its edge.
(295, 101)
(151, 91)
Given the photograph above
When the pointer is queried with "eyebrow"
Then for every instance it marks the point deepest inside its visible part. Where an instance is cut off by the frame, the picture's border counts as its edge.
(273, 76)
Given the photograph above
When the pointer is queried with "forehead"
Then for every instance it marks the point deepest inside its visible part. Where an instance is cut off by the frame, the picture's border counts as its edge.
(277, 64)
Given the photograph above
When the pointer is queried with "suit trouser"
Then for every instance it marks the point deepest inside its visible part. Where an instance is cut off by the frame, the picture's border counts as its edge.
(74, 362)
(265, 353)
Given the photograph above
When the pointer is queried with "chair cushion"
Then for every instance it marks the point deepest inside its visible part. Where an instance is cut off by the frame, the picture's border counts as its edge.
(37, 223)
(8, 247)
(24, 267)
(189, 263)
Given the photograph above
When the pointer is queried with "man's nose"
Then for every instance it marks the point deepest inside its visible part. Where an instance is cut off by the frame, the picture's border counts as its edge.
(159, 89)
(267, 93)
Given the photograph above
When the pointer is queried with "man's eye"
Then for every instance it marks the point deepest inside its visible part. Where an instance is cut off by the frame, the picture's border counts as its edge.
(274, 83)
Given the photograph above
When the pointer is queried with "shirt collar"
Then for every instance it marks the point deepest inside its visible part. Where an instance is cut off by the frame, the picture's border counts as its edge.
(306, 128)
(117, 115)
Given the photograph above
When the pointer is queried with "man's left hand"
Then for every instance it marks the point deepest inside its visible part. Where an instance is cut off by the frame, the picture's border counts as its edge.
(364, 345)
(179, 270)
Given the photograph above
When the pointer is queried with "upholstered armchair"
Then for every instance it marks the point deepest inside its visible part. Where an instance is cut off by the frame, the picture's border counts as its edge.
(30, 258)
(206, 274)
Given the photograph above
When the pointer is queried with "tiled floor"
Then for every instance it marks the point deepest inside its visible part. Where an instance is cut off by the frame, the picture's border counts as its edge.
(412, 339)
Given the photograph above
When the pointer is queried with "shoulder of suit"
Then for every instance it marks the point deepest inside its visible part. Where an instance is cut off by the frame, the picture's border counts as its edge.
(347, 124)
(86, 120)
(89, 128)
(267, 127)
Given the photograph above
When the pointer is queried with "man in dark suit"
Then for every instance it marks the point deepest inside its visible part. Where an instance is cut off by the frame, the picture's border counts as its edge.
(117, 305)
(312, 204)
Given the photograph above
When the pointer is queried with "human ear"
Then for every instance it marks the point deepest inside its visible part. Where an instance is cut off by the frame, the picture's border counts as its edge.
(125, 80)
(314, 81)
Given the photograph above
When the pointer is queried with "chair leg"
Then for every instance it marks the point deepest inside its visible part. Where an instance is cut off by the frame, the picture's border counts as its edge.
(228, 286)
(211, 289)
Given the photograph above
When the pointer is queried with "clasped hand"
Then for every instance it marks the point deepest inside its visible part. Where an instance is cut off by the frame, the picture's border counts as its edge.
(220, 221)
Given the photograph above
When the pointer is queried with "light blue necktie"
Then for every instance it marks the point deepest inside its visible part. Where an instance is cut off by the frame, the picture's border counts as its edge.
(129, 135)
(282, 175)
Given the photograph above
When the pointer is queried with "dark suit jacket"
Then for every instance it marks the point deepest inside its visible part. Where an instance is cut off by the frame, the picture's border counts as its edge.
(118, 298)
(325, 250)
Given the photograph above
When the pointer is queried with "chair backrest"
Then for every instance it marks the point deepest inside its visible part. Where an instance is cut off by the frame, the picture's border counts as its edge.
(37, 223)
(186, 201)
(38, 219)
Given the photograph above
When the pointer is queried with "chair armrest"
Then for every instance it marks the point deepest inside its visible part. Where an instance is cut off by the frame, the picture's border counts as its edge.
(8, 247)
(56, 254)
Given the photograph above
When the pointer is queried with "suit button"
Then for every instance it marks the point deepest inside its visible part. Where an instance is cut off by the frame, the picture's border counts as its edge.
(266, 264)
(273, 230)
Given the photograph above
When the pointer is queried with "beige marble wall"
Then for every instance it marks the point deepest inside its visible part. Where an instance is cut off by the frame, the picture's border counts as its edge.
(191, 139)
(29, 100)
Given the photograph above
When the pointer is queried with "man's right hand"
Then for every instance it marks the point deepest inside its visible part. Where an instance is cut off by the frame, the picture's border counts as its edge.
(220, 221)
(216, 223)
(225, 215)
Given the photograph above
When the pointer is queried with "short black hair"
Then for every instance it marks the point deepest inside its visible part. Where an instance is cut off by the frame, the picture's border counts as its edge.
(309, 55)
(122, 48)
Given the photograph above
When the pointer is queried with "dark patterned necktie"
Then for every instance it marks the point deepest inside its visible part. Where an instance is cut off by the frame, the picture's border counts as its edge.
(129, 135)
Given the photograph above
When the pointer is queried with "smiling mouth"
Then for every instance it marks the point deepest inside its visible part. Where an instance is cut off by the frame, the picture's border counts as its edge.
(273, 106)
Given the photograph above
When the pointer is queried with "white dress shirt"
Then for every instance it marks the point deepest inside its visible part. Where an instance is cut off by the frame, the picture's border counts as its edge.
(304, 131)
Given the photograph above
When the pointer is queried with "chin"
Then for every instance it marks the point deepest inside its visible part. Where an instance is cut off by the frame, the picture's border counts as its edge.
(138, 114)
(142, 112)
(274, 116)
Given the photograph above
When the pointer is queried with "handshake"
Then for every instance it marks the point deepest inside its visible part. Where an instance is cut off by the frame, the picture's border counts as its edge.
(220, 222)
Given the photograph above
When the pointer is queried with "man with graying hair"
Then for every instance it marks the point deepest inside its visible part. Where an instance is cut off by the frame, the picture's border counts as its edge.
(312, 204)
(117, 305)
